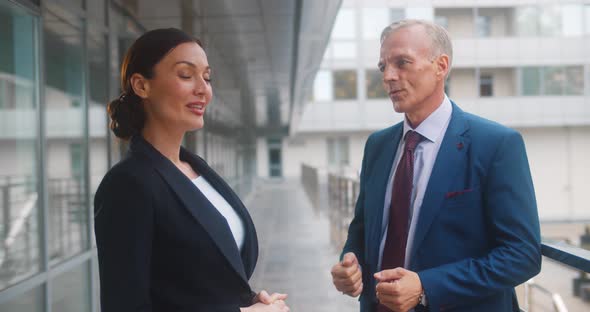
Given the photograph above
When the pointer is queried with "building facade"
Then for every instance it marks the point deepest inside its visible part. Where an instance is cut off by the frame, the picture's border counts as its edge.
(59, 67)
(521, 63)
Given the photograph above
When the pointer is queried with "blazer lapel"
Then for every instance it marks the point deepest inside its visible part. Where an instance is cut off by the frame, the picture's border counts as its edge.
(196, 203)
(448, 164)
(378, 186)
(249, 253)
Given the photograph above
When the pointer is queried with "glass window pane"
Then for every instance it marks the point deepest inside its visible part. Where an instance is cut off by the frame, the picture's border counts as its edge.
(550, 20)
(527, 21)
(68, 224)
(574, 80)
(70, 291)
(553, 80)
(345, 25)
(484, 26)
(322, 86)
(571, 16)
(77, 4)
(486, 85)
(425, 13)
(531, 81)
(344, 50)
(97, 12)
(343, 151)
(587, 18)
(374, 20)
(375, 89)
(98, 120)
(497, 22)
(19, 210)
(344, 84)
(30, 301)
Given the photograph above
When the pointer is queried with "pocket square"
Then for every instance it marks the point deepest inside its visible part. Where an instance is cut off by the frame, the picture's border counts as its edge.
(457, 193)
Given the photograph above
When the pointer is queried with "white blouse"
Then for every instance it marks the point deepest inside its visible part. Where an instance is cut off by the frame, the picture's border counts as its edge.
(231, 216)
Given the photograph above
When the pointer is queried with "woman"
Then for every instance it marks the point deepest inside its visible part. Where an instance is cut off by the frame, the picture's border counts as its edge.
(171, 234)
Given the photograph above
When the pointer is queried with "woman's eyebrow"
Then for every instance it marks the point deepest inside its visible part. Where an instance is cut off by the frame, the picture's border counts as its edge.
(208, 68)
(185, 62)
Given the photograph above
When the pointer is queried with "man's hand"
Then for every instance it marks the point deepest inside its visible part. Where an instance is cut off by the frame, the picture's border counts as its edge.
(398, 289)
(264, 297)
(347, 275)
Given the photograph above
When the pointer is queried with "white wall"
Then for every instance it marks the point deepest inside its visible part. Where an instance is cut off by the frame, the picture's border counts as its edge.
(558, 157)
(311, 149)
(559, 165)
(262, 167)
(463, 83)
(504, 80)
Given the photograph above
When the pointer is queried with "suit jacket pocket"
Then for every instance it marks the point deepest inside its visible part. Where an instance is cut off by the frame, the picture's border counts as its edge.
(462, 197)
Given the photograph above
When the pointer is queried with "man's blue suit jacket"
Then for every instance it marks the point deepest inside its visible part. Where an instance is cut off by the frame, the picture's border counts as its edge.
(477, 234)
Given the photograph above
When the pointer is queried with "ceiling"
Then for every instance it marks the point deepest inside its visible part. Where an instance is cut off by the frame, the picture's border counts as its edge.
(264, 53)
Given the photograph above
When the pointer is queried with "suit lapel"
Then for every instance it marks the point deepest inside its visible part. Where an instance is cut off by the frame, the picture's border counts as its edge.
(448, 164)
(378, 186)
(196, 203)
(249, 253)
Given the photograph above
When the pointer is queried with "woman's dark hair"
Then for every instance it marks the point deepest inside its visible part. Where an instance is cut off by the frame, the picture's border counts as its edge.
(127, 112)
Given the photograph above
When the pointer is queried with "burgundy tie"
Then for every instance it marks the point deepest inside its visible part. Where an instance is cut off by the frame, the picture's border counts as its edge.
(394, 252)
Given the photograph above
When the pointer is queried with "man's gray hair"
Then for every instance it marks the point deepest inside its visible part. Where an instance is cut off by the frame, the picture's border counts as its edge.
(441, 41)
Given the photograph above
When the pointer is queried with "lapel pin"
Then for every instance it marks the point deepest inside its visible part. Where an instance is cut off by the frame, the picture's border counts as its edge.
(460, 145)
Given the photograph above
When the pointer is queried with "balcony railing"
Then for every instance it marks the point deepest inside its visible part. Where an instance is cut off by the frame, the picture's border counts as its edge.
(19, 224)
(342, 196)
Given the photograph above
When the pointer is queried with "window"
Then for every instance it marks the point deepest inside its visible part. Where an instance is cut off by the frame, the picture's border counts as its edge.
(64, 85)
(574, 80)
(572, 20)
(345, 25)
(323, 89)
(344, 50)
(526, 18)
(20, 250)
(425, 13)
(71, 291)
(553, 80)
(98, 76)
(531, 81)
(442, 21)
(344, 84)
(484, 26)
(338, 151)
(486, 85)
(31, 301)
(374, 21)
(76, 159)
(375, 89)
(550, 21)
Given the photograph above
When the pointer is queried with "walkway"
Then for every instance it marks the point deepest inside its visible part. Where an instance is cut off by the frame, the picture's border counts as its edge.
(295, 251)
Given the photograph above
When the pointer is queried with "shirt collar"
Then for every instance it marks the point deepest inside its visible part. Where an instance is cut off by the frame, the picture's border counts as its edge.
(432, 127)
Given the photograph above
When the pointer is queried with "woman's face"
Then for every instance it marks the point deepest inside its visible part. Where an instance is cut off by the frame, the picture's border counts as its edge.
(180, 89)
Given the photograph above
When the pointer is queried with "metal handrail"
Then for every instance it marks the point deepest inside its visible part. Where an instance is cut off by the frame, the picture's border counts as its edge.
(343, 192)
(556, 300)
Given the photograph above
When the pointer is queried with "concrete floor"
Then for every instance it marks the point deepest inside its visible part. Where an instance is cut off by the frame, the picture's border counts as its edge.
(295, 252)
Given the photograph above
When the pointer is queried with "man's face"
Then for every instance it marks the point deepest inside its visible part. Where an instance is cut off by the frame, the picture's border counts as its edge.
(411, 75)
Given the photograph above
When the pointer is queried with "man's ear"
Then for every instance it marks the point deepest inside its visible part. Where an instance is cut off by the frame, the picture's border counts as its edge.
(140, 85)
(442, 66)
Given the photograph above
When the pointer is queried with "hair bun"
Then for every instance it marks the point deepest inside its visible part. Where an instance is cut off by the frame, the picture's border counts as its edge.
(127, 115)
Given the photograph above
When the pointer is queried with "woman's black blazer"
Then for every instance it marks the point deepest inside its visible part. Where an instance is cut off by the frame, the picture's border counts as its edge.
(162, 246)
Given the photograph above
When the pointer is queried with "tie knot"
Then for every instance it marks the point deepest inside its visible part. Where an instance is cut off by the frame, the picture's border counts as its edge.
(413, 138)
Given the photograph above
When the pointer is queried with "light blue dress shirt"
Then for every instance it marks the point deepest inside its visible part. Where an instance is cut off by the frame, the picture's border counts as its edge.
(432, 129)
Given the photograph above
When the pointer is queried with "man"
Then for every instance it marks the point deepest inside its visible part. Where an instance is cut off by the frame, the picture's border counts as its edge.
(446, 218)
